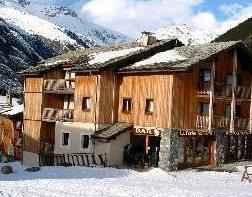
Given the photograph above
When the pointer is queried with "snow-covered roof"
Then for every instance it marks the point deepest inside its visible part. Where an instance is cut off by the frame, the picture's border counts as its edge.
(100, 57)
(14, 109)
(162, 57)
(180, 58)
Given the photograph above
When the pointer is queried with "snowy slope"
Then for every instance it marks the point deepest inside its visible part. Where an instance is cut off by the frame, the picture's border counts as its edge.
(188, 35)
(68, 19)
(100, 182)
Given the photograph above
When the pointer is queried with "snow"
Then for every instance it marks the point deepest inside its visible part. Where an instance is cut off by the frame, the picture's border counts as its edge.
(84, 181)
(102, 57)
(188, 35)
(15, 109)
(34, 25)
(162, 57)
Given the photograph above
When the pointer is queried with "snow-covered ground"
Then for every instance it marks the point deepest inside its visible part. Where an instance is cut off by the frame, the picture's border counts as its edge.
(83, 181)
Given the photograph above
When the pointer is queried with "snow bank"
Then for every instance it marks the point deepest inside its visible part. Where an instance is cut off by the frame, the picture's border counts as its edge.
(84, 181)
(163, 57)
(15, 109)
(102, 57)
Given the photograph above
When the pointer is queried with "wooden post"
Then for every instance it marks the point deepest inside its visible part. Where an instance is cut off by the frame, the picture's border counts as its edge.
(250, 117)
(232, 121)
(211, 112)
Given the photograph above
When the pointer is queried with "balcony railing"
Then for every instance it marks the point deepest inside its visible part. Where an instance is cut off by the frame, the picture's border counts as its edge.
(221, 122)
(242, 123)
(224, 91)
(61, 86)
(53, 115)
(202, 122)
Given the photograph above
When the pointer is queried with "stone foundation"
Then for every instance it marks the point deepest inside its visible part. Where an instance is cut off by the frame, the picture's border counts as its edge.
(169, 147)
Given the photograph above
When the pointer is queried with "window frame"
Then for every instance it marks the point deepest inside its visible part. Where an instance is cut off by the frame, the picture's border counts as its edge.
(200, 110)
(131, 105)
(81, 142)
(147, 106)
(62, 141)
(86, 98)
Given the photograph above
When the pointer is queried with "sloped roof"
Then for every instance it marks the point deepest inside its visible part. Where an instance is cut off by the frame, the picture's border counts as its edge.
(181, 58)
(113, 131)
(94, 58)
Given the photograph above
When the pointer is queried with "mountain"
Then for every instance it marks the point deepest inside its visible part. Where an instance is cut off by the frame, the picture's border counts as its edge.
(243, 31)
(188, 35)
(31, 32)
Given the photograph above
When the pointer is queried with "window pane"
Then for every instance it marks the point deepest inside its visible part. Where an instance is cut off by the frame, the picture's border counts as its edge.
(86, 103)
(127, 103)
(149, 108)
(65, 138)
(207, 76)
(228, 111)
(85, 141)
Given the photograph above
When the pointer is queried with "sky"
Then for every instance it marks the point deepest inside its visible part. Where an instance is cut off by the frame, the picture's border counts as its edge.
(134, 16)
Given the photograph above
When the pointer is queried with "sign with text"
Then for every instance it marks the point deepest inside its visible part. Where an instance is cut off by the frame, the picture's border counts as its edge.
(147, 131)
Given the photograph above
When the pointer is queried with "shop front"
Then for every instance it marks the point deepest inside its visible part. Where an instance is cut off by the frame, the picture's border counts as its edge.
(148, 140)
(195, 149)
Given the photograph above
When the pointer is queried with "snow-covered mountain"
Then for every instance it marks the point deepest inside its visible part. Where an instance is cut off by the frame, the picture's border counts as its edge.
(32, 32)
(188, 35)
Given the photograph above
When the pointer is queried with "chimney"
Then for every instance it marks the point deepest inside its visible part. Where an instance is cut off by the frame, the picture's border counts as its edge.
(8, 97)
(148, 38)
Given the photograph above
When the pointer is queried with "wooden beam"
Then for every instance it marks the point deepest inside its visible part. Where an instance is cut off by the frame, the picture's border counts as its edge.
(211, 112)
(234, 83)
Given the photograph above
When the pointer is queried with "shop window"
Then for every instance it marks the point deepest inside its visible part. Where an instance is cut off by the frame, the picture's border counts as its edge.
(149, 106)
(84, 141)
(65, 139)
(204, 79)
(127, 105)
(86, 104)
(203, 109)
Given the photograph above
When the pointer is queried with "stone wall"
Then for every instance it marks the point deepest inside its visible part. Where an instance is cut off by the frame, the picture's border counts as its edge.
(220, 148)
(169, 147)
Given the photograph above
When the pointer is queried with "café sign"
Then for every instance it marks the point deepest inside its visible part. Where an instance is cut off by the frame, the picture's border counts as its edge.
(147, 131)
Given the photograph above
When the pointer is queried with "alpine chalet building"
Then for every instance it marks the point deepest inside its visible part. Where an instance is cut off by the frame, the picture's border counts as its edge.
(186, 106)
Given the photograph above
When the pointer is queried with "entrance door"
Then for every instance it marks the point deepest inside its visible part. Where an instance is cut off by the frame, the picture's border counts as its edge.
(154, 146)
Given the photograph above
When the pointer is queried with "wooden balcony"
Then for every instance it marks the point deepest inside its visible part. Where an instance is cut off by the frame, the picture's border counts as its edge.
(61, 86)
(202, 122)
(53, 115)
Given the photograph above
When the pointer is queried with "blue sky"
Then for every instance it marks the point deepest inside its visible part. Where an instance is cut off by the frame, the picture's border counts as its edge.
(133, 16)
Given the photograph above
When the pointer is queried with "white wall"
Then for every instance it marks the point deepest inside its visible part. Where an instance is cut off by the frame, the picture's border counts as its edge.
(75, 130)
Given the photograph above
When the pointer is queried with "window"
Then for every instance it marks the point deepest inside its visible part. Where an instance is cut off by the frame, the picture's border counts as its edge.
(127, 105)
(238, 111)
(149, 106)
(230, 80)
(86, 104)
(204, 79)
(203, 109)
(84, 141)
(65, 139)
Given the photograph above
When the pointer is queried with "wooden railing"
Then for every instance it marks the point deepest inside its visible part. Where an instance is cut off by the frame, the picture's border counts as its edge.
(202, 122)
(52, 115)
(75, 159)
(221, 122)
(243, 92)
(59, 86)
(242, 123)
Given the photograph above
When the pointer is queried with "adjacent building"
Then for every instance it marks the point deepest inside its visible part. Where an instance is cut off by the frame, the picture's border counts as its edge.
(190, 104)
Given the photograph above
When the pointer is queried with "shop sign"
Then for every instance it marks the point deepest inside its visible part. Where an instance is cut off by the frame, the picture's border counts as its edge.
(239, 132)
(147, 131)
(193, 133)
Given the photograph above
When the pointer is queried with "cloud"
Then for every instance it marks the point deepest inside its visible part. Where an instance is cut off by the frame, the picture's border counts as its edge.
(134, 16)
